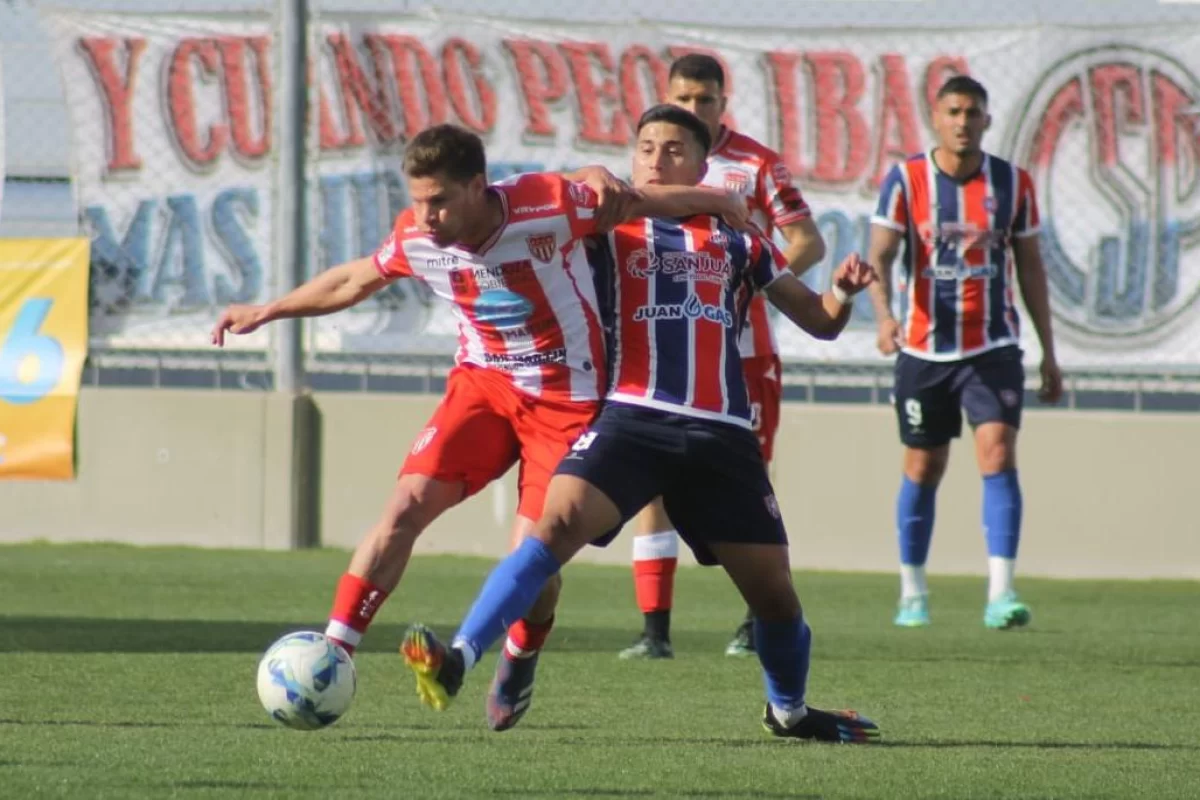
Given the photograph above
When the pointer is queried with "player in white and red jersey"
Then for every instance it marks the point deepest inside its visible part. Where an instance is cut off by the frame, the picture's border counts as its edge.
(676, 424)
(755, 172)
(966, 219)
(531, 361)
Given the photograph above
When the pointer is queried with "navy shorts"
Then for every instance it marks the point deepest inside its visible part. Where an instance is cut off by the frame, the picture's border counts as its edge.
(930, 396)
(711, 475)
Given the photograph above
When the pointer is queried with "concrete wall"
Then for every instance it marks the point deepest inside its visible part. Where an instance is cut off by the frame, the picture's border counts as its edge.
(1106, 494)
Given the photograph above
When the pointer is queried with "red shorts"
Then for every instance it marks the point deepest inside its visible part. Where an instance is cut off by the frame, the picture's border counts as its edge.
(484, 425)
(764, 384)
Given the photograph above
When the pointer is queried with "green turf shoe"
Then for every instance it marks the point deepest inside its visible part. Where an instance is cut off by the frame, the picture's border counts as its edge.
(913, 612)
(647, 648)
(1006, 612)
(742, 643)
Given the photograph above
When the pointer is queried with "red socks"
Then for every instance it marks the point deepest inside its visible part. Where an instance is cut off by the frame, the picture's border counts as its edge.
(654, 560)
(526, 638)
(354, 606)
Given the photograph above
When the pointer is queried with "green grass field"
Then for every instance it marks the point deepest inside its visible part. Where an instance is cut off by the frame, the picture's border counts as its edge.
(130, 673)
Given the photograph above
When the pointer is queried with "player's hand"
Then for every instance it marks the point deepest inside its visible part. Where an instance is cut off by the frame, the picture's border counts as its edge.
(736, 213)
(1052, 381)
(238, 319)
(615, 196)
(888, 340)
(853, 275)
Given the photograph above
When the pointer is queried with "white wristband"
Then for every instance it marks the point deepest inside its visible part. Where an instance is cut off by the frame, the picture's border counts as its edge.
(840, 295)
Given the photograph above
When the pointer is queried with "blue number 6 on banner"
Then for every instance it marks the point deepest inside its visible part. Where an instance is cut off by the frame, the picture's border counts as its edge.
(24, 343)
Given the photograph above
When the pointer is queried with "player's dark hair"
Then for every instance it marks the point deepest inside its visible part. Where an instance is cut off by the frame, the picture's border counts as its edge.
(698, 67)
(965, 85)
(446, 150)
(674, 115)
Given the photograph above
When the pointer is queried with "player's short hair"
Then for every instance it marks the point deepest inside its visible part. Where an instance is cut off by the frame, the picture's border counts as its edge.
(446, 150)
(698, 67)
(965, 85)
(674, 115)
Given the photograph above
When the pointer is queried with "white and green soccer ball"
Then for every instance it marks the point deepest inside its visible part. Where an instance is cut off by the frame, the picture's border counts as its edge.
(305, 681)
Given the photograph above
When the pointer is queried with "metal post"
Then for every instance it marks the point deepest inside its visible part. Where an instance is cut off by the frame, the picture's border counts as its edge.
(291, 245)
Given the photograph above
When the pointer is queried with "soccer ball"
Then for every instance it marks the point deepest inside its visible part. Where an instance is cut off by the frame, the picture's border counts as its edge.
(305, 681)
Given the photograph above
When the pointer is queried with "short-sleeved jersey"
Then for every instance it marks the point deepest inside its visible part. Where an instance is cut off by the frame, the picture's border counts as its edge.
(525, 300)
(679, 293)
(741, 165)
(958, 254)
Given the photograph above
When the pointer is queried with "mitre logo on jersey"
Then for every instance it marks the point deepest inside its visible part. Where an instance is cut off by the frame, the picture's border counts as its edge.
(542, 246)
(737, 180)
(781, 174)
(388, 250)
(1113, 130)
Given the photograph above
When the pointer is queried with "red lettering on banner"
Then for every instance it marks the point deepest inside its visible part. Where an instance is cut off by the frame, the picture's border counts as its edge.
(117, 93)
(940, 70)
(1172, 108)
(677, 51)
(843, 140)
(357, 96)
(782, 67)
(897, 130)
(590, 95)
(480, 114)
(543, 79)
(1064, 107)
(634, 60)
(200, 150)
(237, 86)
(1108, 81)
(404, 51)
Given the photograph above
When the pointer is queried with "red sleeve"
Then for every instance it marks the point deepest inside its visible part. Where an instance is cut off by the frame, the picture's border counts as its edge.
(777, 194)
(389, 259)
(580, 202)
(1026, 222)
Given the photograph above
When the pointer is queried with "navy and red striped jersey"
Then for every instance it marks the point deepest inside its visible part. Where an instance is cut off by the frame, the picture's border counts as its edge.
(958, 256)
(676, 295)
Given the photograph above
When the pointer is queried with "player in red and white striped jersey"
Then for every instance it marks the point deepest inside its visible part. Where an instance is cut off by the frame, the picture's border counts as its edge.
(531, 360)
(753, 171)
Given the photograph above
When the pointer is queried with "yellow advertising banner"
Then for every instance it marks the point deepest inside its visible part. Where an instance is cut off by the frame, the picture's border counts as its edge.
(43, 343)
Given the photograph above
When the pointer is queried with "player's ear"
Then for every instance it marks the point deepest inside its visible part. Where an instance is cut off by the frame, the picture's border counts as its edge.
(703, 170)
(987, 121)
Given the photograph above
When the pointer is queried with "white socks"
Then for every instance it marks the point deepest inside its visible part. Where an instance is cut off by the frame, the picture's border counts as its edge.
(1000, 576)
(912, 581)
(787, 717)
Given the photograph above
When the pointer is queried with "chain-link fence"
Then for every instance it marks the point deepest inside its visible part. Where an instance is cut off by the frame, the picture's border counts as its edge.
(159, 123)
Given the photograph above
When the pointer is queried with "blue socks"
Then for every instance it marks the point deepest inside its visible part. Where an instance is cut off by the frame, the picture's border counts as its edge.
(783, 650)
(914, 521)
(1002, 513)
(507, 594)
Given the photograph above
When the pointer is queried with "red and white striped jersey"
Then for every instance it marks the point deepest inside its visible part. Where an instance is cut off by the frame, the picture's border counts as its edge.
(525, 300)
(958, 253)
(741, 165)
(678, 299)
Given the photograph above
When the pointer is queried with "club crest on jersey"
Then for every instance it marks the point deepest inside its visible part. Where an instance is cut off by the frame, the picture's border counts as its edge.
(737, 180)
(581, 194)
(542, 246)
(781, 174)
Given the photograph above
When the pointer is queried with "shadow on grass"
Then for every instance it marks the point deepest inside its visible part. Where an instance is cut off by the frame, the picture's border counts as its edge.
(100, 635)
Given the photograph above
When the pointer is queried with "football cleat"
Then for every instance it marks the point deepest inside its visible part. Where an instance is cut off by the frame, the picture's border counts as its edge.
(840, 727)
(742, 643)
(1006, 612)
(647, 648)
(913, 612)
(439, 671)
(511, 691)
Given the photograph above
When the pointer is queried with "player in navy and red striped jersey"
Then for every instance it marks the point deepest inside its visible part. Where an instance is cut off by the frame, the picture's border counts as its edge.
(676, 424)
(531, 365)
(969, 223)
(758, 175)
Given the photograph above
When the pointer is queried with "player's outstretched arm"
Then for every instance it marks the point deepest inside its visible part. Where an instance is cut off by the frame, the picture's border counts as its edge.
(1035, 292)
(823, 316)
(686, 201)
(333, 290)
